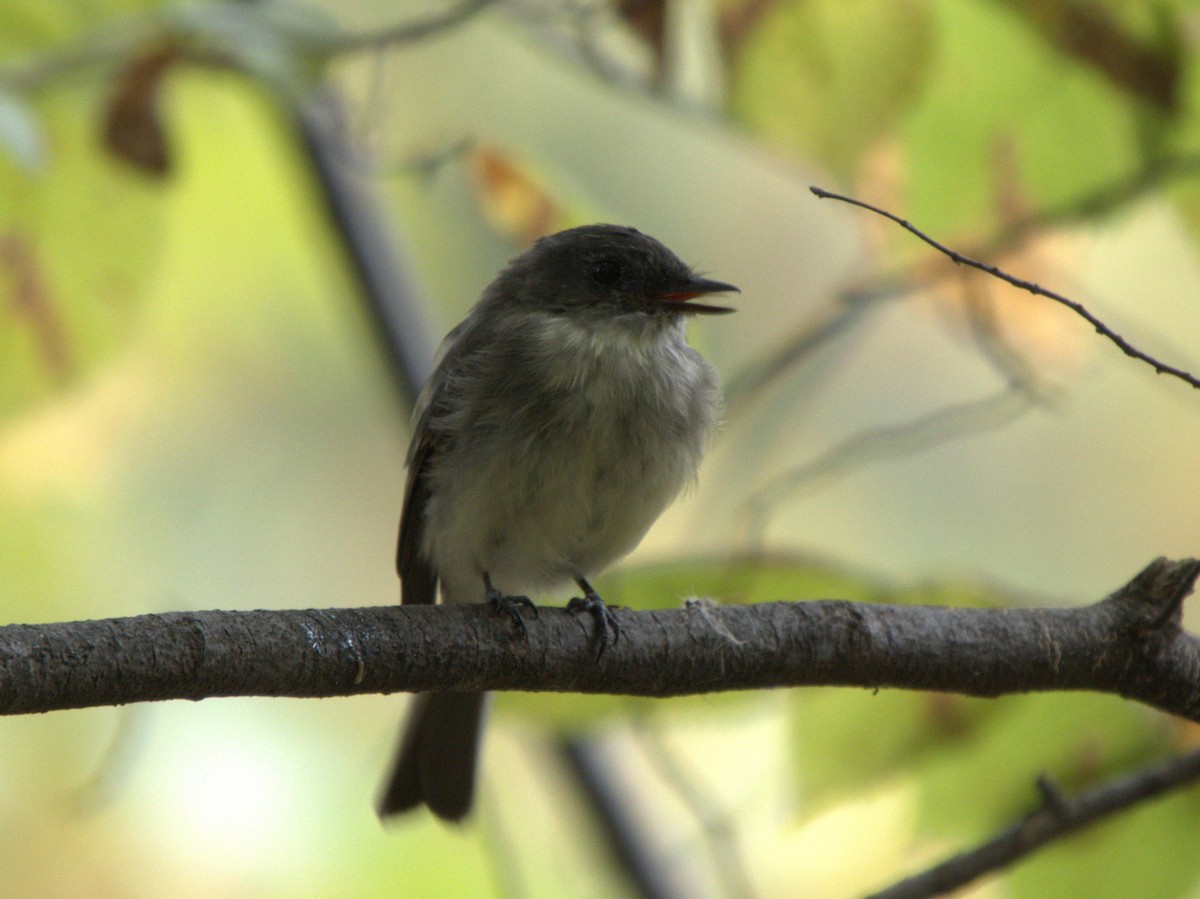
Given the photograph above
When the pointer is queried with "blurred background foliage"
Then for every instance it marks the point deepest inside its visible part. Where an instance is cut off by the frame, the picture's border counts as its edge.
(195, 412)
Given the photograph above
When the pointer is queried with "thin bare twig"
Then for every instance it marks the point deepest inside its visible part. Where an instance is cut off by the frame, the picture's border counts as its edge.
(1078, 308)
(1104, 200)
(1058, 817)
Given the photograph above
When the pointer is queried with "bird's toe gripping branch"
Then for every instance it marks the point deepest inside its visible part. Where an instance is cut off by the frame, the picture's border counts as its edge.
(608, 629)
(509, 605)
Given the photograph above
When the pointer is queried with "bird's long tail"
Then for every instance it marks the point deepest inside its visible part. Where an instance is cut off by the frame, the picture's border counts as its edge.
(437, 757)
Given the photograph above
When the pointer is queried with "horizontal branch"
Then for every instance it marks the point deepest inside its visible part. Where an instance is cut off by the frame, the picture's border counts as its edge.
(1129, 644)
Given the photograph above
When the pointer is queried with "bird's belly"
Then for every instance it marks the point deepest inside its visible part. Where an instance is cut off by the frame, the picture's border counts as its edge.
(567, 531)
(536, 520)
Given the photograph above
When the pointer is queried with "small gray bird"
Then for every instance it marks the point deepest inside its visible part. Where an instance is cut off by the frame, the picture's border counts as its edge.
(563, 415)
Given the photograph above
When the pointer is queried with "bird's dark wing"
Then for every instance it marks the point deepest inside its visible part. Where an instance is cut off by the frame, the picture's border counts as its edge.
(418, 579)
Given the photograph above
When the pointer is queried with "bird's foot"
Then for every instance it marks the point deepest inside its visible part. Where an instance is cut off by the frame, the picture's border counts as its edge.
(608, 629)
(509, 605)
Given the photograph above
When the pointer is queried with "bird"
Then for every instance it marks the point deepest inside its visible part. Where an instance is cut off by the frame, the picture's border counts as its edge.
(563, 415)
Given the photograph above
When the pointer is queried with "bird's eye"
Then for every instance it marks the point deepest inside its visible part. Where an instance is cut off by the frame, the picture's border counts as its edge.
(606, 271)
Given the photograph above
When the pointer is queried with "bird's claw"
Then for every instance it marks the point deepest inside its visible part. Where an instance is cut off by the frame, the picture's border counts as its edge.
(512, 606)
(608, 629)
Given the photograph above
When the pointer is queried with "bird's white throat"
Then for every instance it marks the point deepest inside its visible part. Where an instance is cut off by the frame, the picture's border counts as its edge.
(600, 355)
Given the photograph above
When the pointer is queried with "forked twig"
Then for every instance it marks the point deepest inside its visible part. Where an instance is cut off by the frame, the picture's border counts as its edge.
(1058, 817)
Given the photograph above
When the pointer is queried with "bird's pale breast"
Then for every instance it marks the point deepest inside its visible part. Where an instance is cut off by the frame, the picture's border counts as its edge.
(612, 425)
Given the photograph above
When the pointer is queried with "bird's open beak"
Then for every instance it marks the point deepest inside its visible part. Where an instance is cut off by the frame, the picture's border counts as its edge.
(697, 287)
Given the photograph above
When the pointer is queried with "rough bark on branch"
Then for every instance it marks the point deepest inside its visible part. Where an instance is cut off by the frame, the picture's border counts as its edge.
(1129, 644)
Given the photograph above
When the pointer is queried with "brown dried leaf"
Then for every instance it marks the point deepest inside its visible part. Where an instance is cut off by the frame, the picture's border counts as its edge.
(648, 20)
(31, 303)
(513, 199)
(133, 128)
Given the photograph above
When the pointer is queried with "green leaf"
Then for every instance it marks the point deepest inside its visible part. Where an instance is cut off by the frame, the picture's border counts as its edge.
(1008, 121)
(847, 741)
(829, 79)
(77, 238)
(29, 29)
(988, 780)
(738, 580)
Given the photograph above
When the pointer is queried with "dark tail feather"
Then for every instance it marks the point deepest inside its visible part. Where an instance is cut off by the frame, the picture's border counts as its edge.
(436, 762)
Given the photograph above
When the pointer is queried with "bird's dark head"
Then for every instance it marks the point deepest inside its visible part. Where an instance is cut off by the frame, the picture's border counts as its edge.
(605, 272)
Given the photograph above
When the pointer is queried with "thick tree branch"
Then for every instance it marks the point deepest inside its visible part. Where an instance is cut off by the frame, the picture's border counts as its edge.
(1059, 816)
(1114, 646)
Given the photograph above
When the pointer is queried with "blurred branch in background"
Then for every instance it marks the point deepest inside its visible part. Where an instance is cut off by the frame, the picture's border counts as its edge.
(628, 847)
(406, 32)
(234, 35)
(751, 382)
(389, 293)
(951, 422)
(1058, 817)
(718, 827)
(1094, 36)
